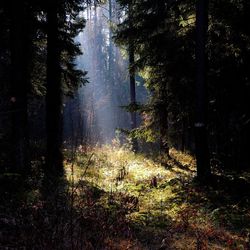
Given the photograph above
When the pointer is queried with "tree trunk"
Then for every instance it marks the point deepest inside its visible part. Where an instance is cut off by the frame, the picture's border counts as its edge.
(163, 93)
(131, 51)
(54, 159)
(110, 42)
(112, 69)
(201, 140)
(164, 120)
(20, 45)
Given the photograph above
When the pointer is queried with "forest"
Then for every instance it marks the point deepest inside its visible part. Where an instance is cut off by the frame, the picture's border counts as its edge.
(124, 124)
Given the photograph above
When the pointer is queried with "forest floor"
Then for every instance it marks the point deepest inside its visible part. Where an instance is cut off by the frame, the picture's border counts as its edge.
(111, 198)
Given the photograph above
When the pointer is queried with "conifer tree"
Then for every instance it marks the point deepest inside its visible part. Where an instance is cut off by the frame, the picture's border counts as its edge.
(201, 141)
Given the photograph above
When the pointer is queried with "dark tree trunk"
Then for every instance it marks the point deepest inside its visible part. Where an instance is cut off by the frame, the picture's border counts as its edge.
(132, 93)
(183, 135)
(20, 45)
(54, 159)
(201, 140)
(131, 51)
(163, 95)
(164, 121)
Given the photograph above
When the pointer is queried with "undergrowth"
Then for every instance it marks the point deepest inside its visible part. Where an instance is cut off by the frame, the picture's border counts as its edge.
(111, 198)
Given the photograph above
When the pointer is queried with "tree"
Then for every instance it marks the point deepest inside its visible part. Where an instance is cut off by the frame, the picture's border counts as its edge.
(131, 53)
(38, 40)
(63, 24)
(54, 160)
(201, 141)
(20, 50)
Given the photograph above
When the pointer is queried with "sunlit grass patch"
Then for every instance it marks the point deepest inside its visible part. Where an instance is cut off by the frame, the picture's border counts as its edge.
(120, 170)
(155, 198)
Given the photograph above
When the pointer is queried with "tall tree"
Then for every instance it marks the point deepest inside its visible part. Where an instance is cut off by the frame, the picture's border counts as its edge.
(54, 160)
(110, 41)
(20, 47)
(131, 52)
(201, 140)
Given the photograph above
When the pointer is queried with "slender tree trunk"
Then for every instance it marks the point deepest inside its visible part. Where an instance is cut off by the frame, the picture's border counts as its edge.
(164, 121)
(20, 45)
(201, 140)
(54, 160)
(112, 69)
(110, 41)
(164, 95)
(131, 51)
(132, 93)
(183, 135)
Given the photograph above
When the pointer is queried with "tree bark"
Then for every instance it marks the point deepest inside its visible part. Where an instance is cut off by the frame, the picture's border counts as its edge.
(132, 93)
(131, 51)
(54, 159)
(20, 45)
(201, 138)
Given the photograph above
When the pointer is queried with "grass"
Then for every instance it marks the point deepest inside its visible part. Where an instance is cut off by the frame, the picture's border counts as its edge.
(111, 198)
(161, 198)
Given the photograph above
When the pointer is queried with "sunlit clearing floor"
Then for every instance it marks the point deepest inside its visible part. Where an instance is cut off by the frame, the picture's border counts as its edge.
(158, 204)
